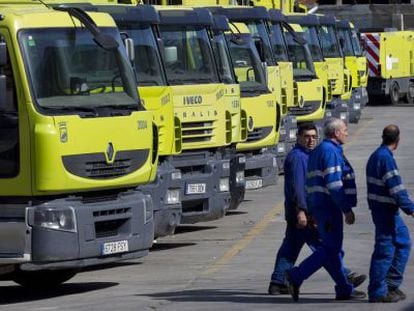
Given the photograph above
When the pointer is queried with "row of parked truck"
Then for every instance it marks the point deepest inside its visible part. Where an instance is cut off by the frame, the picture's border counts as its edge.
(121, 121)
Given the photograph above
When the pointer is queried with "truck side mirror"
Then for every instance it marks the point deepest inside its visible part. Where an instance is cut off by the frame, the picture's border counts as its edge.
(170, 54)
(3, 80)
(3, 94)
(130, 49)
(3, 53)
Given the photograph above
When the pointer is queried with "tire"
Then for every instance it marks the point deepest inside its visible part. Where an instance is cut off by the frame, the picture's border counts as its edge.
(394, 94)
(409, 97)
(43, 279)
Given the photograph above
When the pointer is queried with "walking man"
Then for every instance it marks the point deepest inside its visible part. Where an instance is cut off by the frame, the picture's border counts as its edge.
(331, 193)
(298, 229)
(386, 195)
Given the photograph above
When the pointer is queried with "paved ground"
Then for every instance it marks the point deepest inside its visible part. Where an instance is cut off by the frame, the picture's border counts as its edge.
(226, 264)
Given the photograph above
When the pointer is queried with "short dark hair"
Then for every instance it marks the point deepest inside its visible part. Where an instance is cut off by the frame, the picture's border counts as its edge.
(306, 126)
(390, 134)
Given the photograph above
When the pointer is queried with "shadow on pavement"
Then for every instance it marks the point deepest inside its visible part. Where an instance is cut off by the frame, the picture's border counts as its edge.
(232, 213)
(214, 295)
(19, 294)
(192, 228)
(111, 265)
(165, 246)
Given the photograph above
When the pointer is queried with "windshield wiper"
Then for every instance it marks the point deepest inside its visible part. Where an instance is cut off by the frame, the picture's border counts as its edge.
(71, 108)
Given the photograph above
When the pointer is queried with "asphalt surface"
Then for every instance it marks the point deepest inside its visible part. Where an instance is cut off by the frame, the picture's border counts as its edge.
(226, 264)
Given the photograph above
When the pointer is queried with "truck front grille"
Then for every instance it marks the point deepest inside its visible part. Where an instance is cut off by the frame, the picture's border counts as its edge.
(198, 132)
(258, 133)
(108, 228)
(95, 166)
(308, 108)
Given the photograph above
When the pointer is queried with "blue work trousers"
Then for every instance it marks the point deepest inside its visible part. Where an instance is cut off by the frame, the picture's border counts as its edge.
(391, 253)
(295, 239)
(329, 254)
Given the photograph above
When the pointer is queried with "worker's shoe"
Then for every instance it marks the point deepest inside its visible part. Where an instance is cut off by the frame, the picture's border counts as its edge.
(356, 279)
(292, 288)
(397, 292)
(389, 297)
(356, 294)
(277, 289)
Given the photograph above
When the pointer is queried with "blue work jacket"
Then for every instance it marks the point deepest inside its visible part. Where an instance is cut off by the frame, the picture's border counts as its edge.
(330, 180)
(295, 168)
(386, 192)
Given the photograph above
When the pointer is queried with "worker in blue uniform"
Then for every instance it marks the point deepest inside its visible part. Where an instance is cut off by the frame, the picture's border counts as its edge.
(386, 196)
(331, 193)
(299, 230)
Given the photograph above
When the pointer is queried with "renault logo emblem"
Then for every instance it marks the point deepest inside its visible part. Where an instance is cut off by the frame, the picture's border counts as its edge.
(110, 153)
(250, 124)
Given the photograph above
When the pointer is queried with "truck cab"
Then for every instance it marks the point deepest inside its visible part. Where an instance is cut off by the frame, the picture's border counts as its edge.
(76, 143)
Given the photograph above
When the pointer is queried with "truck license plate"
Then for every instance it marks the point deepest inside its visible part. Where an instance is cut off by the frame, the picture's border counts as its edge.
(196, 188)
(254, 184)
(114, 247)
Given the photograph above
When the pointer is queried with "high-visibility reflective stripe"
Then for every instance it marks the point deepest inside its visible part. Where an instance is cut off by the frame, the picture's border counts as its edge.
(334, 184)
(380, 198)
(349, 176)
(375, 181)
(327, 171)
(397, 189)
(390, 174)
(317, 189)
(350, 191)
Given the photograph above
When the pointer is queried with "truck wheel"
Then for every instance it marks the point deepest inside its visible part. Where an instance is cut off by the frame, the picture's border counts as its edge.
(394, 93)
(43, 279)
(410, 93)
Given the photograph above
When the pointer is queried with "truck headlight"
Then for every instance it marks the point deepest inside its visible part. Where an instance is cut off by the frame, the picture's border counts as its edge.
(56, 218)
(328, 114)
(226, 165)
(343, 116)
(176, 175)
(292, 134)
(282, 131)
(224, 184)
(148, 208)
(357, 106)
(281, 148)
(240, 177)
(173, 196)
(357, 96)
(242, 160)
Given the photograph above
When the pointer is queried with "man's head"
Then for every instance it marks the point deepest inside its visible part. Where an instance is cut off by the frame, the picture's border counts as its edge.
(337, 130)
(307, 135)
(391, 136)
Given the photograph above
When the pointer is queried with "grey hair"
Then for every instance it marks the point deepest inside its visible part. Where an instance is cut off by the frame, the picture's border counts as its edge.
(331, 125)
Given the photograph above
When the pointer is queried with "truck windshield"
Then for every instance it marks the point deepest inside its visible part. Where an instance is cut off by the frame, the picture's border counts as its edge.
(69, 72)
(278, 43)
(187, 55)
(329, 43)
(247, 64)
(344, 37)
(300, 57)
(258, 30)
(356, 43)
(311, 36)
(223, 59)
(147, 58)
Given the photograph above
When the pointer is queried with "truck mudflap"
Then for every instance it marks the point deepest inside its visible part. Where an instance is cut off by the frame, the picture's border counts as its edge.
(261, 170)
(337, 108)
(77, 232)
(355, 105)
(165, 192)
(205, 194)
